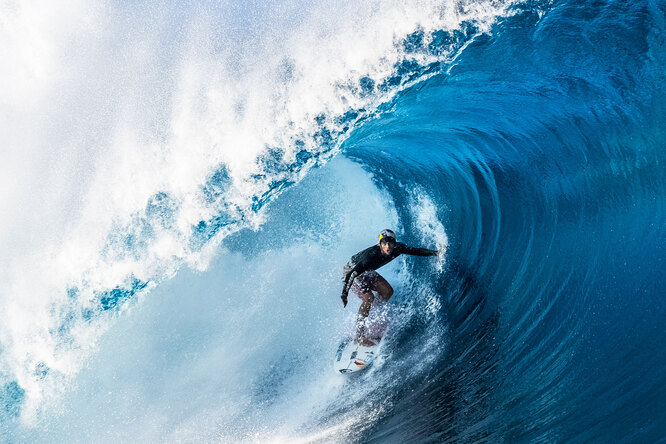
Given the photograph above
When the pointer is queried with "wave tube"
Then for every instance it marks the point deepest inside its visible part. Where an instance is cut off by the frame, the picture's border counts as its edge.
(141, 137)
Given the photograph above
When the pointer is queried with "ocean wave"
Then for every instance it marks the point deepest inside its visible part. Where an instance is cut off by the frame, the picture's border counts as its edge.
(522, 139)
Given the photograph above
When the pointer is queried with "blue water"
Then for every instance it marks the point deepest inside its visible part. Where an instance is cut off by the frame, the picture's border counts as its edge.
(528, 141)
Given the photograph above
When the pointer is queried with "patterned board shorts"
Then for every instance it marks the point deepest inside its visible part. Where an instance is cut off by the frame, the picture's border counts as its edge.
(365, 282)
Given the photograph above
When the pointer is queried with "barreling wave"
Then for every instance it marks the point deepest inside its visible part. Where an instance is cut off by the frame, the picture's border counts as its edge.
(523, 137)
(168, 186)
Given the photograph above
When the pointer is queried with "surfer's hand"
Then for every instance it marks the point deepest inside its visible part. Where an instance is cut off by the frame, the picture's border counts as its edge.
(344, 299)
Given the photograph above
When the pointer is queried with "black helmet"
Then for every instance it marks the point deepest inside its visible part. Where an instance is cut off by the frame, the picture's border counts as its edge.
(387, 235)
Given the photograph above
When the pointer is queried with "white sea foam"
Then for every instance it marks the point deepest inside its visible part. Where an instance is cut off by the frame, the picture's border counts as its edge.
(429, 225)
(107, 106)
(243, 351)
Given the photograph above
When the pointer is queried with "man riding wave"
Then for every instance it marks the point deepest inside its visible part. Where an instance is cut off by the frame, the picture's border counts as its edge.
(361, 276)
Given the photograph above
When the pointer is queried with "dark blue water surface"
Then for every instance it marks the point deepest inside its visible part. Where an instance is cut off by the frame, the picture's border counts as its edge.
(545, 146)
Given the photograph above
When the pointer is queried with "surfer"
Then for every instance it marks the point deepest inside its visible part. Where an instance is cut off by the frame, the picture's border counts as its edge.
(361, 276)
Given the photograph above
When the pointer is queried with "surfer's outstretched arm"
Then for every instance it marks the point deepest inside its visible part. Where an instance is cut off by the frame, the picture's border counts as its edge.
(413, 251)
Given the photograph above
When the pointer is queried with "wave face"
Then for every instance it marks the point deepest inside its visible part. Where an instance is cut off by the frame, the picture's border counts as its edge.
(187, 182)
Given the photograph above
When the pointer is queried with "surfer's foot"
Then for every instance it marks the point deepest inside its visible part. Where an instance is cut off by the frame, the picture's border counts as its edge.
(362, 340)
(366, 342)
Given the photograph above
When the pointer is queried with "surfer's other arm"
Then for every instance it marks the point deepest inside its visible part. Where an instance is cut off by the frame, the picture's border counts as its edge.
(349, 279)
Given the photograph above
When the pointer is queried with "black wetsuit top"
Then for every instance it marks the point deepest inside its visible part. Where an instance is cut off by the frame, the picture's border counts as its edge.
(372, 258)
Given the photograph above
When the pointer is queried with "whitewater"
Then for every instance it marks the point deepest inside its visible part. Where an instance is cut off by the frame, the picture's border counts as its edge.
(181, 184)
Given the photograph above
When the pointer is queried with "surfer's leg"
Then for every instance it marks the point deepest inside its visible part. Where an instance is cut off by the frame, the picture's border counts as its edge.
(382, 287)
(363, 312)
(367, 297)
(363, 286)
(378, 284)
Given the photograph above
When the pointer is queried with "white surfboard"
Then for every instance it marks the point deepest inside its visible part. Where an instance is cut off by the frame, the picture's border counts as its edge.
(353, 357)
